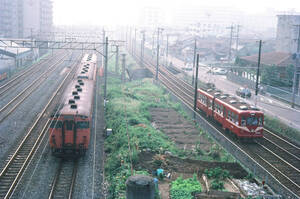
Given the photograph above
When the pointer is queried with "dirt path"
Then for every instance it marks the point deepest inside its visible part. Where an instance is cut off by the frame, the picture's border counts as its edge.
(178, 129)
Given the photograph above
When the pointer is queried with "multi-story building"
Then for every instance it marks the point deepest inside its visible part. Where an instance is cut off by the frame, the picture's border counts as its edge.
(287, 33)
(25, 18)
(9, 20)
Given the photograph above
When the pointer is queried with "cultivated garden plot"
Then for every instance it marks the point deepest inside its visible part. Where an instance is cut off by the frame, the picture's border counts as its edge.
(149, 132)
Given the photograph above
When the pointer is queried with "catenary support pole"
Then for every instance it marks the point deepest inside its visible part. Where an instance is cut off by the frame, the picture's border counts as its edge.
(258, 65)
(103, 50)
(117, 60)
(194, 61)
(196, 83)
(142, 48)
(123, 67)
(296, 69)
(157, 58)
(105, 66)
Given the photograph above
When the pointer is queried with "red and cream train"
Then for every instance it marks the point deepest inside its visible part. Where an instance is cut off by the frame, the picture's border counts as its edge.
(235, 116)
(71, 125)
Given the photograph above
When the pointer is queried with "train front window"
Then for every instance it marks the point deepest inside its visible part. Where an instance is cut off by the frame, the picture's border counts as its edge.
(69, 125)
(82, 125)
(56, 124)
(252, 121)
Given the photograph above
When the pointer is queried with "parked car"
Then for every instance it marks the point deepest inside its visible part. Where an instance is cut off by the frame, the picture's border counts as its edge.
(219, 71)
(243, 92)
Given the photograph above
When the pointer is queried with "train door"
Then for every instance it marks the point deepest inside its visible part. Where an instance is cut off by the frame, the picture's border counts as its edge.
(213, 107)
(69, 134)
(224, 117)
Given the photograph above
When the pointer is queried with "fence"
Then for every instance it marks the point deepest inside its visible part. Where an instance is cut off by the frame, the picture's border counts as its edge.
(277, 93)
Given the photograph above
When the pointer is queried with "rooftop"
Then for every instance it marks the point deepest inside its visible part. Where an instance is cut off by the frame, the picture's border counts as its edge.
(271, 58)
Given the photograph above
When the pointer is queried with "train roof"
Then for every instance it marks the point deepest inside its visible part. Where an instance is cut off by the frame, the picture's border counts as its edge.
(89, 58)
(86, 71)
(230, 100)
(78, 98)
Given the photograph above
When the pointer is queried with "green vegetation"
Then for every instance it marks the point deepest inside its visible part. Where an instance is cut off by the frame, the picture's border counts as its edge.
(279, 127)
(127, 112)
(183, 189)
(218, 175)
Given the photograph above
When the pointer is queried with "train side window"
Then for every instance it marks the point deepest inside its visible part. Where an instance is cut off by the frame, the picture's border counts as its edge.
(236, 119)
(243, 121)
(82, 125)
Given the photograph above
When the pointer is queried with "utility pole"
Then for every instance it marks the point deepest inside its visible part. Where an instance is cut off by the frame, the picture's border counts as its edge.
(105, 66)
(117, 60)
(196, 84)
(296, 68)
(230, 42)
(258, 65)
(123, 67)
(237, 40)
(194, 61)
(142, 48)
(157, 59)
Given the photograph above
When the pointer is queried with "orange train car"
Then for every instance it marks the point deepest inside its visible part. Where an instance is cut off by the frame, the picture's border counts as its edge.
(70, 127)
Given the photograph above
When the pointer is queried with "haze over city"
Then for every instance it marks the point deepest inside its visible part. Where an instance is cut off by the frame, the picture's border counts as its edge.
(151, 99)
(119, 12)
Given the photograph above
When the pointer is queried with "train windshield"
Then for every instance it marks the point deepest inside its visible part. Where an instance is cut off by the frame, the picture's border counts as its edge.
(252, 121)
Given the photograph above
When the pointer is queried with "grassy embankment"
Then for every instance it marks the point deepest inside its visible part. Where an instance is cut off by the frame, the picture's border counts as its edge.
(127, 113)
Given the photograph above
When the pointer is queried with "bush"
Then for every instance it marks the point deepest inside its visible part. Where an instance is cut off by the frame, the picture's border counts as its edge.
(183, 189)
(217, 185)
(217, 173)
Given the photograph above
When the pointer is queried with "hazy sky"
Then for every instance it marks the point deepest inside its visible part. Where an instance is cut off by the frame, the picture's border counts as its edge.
(105, 12)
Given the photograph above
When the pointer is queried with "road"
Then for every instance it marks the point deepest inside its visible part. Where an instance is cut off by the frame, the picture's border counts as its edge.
(272, 107)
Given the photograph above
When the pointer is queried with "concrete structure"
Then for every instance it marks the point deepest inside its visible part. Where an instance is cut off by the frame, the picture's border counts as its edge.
(287, 33)
(19, 55)
(23, 18)
(9, 18)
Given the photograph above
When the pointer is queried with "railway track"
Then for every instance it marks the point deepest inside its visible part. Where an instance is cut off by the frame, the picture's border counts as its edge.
(17, 162)
(14, 81)
(64, 180)
(278, 156)
(7, 109)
